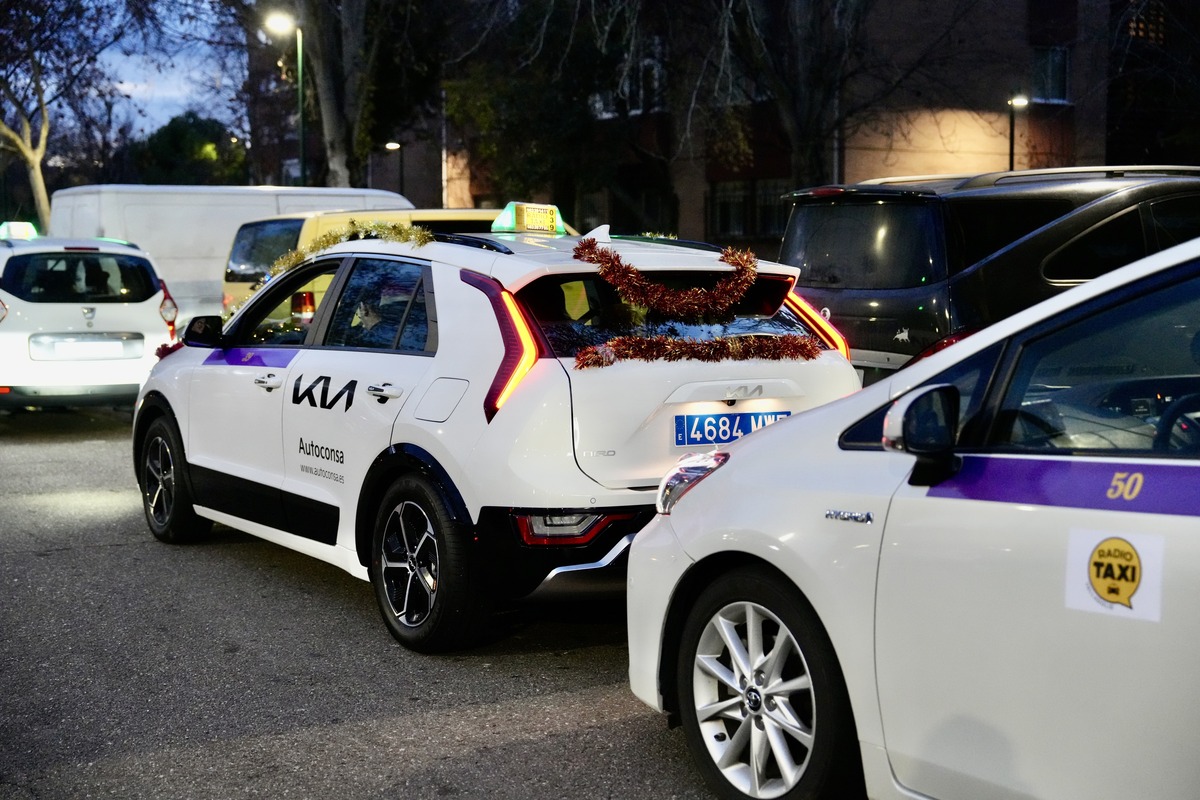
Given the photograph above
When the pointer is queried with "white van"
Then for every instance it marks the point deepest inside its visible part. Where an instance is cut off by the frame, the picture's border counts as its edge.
(188, 229)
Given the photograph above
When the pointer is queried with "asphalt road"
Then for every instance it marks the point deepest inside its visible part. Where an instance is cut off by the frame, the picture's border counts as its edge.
(236, 668)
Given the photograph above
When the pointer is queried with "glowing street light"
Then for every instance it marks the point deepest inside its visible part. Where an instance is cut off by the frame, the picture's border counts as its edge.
(281, 23)
(1014, 102)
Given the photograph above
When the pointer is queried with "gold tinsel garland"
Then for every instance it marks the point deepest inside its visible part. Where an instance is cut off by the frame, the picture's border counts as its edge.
(387, 231)
(686, 305)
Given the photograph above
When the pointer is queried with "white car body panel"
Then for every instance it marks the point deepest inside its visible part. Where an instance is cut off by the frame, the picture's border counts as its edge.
(968, 618)
(71, 349)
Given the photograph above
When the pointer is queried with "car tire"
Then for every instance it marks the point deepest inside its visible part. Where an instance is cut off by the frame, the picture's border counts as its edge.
(762, 699)
(166, 496)
(421, 568)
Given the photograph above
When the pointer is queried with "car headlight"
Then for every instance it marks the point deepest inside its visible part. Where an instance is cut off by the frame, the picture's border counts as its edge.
(690, 470)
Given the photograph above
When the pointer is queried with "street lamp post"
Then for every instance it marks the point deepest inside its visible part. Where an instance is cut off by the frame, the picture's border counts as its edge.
(399, 150)
(282, 23)
(1014, 102)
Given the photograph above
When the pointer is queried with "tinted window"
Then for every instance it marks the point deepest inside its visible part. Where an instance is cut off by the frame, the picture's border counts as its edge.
(73, 277)
(977, 227)
(257, 245)
(1126, 378)
(971, 376)
(1113, 243)
(284, 311)
(382, 307)
(578, 311)
(1175, 220)
(864, 245)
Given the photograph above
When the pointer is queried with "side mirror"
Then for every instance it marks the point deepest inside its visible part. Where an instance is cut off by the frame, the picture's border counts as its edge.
(203, 332)
(924, 423)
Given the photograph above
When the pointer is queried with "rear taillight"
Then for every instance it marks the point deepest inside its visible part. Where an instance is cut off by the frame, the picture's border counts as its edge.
(304, 307)
(168, 310)
(820, 326)
(522, 347)
(565, 527)
(939, 345)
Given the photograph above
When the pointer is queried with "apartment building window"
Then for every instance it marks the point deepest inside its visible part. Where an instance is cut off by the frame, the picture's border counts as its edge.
(749, 209)
(770, 207)
(1147, 22)
(730, 202)
(1051, 68)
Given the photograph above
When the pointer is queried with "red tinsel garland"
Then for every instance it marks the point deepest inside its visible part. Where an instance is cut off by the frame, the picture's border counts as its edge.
(683, 304)
(665, 348)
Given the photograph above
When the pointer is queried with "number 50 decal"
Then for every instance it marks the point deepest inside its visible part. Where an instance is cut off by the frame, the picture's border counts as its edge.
(1124, 486)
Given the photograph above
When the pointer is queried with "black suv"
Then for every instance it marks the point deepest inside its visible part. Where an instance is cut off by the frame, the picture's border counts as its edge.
(904, 266)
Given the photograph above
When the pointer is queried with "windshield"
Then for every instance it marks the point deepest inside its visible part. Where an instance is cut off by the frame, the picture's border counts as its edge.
(258, 244)
(79, 277)
(864, 244)
(579, 311)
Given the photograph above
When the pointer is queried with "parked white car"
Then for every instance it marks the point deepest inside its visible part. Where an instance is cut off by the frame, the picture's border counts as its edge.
(976, 578)
(435, 414)
(80, 321)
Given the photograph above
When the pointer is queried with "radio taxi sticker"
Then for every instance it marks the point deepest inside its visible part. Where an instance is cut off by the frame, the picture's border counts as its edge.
(1115, 573)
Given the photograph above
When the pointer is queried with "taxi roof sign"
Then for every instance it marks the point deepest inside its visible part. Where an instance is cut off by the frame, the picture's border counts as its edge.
(529, 217)
(15, 229)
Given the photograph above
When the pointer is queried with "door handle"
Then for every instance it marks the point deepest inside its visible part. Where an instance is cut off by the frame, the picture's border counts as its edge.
(270, 381)
(384, 392)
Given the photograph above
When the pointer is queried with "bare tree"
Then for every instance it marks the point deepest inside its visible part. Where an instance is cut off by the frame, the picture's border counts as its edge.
(49, 51)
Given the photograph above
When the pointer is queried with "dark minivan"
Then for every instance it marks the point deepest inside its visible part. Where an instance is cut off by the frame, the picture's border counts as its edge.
(904, 266)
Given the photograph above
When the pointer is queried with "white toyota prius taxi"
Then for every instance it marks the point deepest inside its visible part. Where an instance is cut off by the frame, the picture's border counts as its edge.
(459, 418)
(979, 578)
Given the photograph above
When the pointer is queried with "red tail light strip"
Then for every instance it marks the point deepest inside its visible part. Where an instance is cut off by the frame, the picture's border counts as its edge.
(821, 326)
(522, 346)
(595, 529)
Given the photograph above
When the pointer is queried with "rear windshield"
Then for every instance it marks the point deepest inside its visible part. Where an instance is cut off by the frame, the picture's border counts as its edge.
(72, 277)
(579, 311)
(257, 245)
(864, 244)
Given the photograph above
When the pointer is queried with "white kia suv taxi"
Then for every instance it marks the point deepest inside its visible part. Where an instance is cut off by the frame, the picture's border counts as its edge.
(80, 321)
(460, 417)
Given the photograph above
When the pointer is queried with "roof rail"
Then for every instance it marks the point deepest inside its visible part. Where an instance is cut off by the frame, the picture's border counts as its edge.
(1069, 173)
(918, 178)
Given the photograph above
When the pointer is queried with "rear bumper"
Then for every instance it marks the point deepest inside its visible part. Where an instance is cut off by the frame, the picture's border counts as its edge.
(514, 569)
(124, 394)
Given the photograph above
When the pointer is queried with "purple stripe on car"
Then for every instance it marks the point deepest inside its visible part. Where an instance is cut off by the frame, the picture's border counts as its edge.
(251, 357)
(1147, 488)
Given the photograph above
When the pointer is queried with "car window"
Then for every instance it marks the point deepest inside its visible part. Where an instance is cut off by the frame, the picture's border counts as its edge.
(1113, 243)
(79, 278)
(1124, 379)
(971, 376)
(283, 312)
(579, 311)
(864, 245)
(257, 245)
(381, 307)
(1175, 220)
(978, 227)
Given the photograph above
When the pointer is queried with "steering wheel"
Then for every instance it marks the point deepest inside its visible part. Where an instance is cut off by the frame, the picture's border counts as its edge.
(1186, 404)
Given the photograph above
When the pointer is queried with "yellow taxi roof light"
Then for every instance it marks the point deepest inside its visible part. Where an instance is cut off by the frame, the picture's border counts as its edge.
(529, 218)
(14, 229)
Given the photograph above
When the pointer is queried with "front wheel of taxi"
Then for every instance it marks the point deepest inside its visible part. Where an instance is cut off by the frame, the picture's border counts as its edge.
(764, 706)
(421, 569)
(166, 498)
